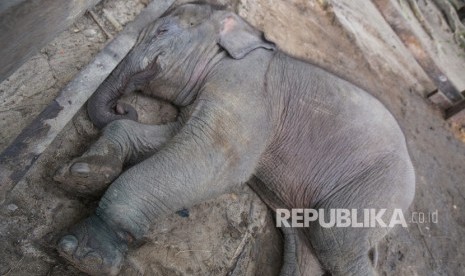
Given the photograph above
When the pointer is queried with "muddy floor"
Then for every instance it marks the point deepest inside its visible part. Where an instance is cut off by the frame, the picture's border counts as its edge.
(234, 234)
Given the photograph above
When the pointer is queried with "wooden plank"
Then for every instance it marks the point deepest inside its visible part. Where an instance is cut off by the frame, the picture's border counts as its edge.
(20, 156)
(456, 114)
(28, 25)
(441, 101)
(400, 25)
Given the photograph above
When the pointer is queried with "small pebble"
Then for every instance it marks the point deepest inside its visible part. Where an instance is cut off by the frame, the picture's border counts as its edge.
(90, 32)
(234, 197)
(12, 207)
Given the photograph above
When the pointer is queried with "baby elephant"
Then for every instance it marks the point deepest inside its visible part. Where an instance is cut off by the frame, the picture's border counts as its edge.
(298, 135)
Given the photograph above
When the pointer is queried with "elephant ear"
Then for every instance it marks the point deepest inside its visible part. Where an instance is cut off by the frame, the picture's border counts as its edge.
(238, 38)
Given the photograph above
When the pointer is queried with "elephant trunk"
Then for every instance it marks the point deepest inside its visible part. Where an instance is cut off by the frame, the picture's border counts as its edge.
(103, 107)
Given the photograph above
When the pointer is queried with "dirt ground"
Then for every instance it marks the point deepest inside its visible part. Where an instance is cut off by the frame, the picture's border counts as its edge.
(234, 234)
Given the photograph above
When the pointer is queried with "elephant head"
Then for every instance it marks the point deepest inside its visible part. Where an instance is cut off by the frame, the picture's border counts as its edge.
(171, 58)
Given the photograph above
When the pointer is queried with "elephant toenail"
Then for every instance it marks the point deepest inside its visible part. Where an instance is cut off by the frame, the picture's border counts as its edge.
(80, 168)
(93, 258)
(68, 244)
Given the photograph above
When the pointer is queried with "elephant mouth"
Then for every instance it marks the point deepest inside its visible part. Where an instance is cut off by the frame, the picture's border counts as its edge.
(152, 69)
(120, 109)
(125, 110)
(136, 81)
(140, 79)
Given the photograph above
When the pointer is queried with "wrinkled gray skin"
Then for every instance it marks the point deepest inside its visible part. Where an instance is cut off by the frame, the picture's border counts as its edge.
(300, 136)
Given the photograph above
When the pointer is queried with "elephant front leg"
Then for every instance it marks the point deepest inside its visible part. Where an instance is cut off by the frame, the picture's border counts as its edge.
(101, 250)
(122, 141)
(216, 150)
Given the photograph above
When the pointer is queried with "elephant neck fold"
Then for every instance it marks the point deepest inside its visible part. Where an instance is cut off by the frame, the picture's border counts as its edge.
(200, 72)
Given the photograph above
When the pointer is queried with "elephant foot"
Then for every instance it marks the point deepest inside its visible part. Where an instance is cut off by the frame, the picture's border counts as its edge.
(93, 247)
(90, 174)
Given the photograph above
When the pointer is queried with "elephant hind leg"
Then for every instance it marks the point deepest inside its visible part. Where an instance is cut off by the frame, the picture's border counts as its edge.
(298, 258)
(349, 261)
